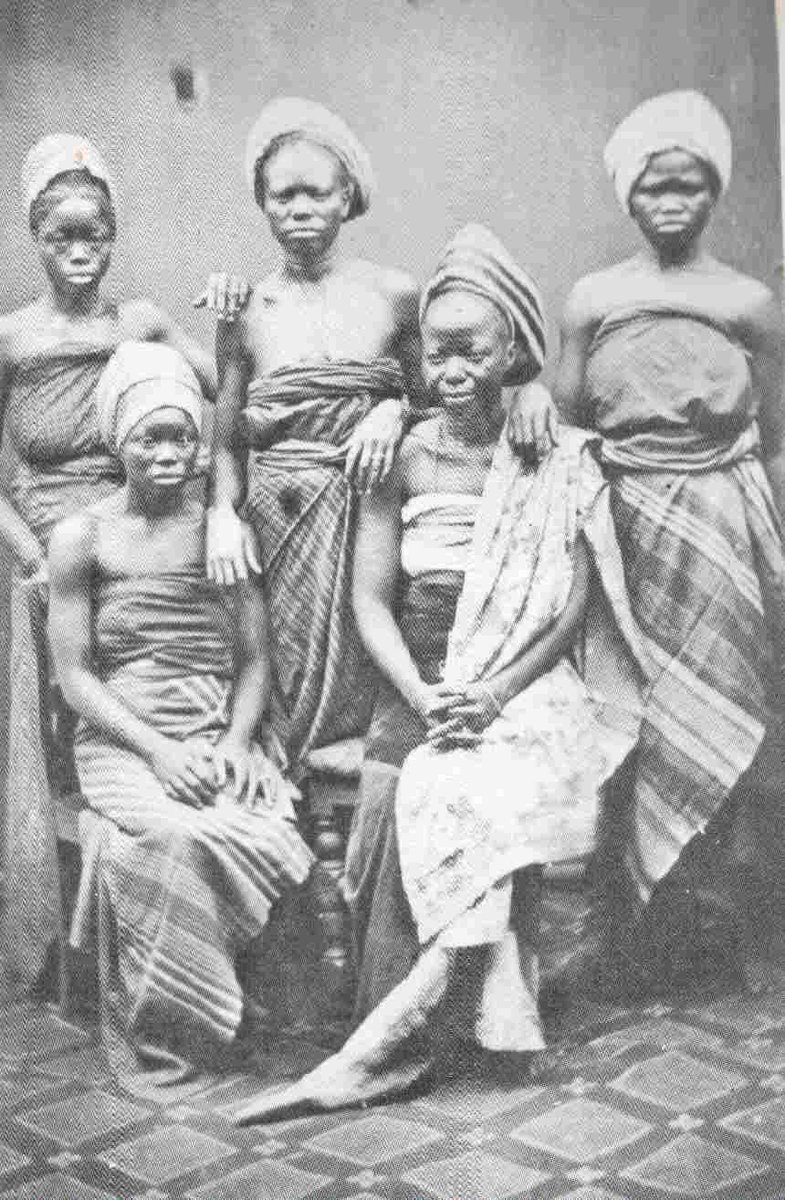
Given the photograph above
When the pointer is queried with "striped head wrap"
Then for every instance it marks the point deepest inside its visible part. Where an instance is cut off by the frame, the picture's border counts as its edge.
(290, 116)
(476, 261)
(139, 379)
(58, 154)
(683, 120)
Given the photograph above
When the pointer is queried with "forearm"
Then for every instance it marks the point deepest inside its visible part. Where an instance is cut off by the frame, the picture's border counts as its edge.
(227, 478)
(251, 696)
(89, 697)
(384, 642)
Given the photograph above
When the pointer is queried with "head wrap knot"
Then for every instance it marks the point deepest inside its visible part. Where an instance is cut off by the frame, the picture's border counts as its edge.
(683, 120)
(476, 261)
(139, 379)
(57, 154)
(289, 116)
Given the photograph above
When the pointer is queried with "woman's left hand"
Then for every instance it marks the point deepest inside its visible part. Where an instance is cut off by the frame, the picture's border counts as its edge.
(373, 445)
(467, 718)
(236, 768)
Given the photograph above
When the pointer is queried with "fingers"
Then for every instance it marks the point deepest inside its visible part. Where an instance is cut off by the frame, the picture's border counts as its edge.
(552, 424)
(241, 770)
(352, 454)
(219, 762)
(181, 791)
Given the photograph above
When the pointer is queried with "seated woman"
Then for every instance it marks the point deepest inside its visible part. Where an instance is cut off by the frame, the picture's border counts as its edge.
(472, 581)
(52, 354)
(170, 677)
(675, 359)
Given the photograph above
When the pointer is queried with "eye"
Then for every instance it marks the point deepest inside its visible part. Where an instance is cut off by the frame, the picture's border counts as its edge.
(148, 441)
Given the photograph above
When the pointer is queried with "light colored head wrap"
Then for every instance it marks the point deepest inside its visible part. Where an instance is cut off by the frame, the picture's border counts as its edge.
(140, 378)
(672, 121)
(289, 116)
(55, 155)
(476, 261)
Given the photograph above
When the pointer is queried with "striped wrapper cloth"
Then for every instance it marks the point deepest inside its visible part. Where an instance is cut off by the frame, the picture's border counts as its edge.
(670, 390)
(298, 423)
(181, 891)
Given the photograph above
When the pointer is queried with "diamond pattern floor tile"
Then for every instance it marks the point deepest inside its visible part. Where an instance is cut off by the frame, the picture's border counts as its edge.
(664, 1033)
(10, 1159)
(677, 1081)
(475, 1176)
(81, 1118)
(474, 1100)
(591, 1193)
(691, 1166)
(56, 1187)
(581, 1130)
(263, 1181)
(165, 1154)
(745, 1014)
(764, 1123)
(373, 1140)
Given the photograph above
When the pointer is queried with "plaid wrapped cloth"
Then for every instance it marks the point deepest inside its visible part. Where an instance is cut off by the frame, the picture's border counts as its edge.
(181, 890)
(298, 424)
(702, 550)
(57, 468)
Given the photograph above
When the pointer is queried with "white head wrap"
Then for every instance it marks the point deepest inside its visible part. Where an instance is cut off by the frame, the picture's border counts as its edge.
(140, 378)
(476, 261)
(55, 155)
(291, 116)
(683, 120)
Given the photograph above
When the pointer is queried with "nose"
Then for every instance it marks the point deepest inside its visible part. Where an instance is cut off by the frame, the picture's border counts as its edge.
(80, 251)
(454, 369)
(301, 205)
(166, 453)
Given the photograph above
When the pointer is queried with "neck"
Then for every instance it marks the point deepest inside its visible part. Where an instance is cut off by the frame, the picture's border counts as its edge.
(308, 265)
(156, 504)
(81, 303)
(478, 427)
(676, 257)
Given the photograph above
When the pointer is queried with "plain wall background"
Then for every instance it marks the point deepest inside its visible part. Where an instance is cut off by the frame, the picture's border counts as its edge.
(490, 110)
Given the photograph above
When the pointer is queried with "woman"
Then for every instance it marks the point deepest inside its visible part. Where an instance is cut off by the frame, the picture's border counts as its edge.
(472, 580)
(170, 678)
(52, 354)
(675, 359)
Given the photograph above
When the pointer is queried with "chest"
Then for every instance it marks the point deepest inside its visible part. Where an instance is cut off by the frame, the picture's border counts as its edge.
(328, 321)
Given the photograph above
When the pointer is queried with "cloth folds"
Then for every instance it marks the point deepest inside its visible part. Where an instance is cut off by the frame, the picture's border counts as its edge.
(298, 422)
(476, 261)
(56, 154)
(291, 116)
(681, 120)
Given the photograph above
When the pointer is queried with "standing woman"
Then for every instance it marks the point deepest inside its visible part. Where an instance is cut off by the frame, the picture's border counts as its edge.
(675, 359)
(52, 354)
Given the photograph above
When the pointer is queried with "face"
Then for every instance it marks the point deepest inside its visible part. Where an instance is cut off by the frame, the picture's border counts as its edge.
(160, 451)
(673, 199)
(75, 243)
(467, 351)
(306, 197)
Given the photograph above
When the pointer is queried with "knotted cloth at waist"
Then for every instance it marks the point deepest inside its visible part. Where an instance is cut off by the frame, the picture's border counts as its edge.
(317, 402)
(680, 451)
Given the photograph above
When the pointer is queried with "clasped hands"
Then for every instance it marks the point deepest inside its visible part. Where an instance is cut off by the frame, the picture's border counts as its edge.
(195, 771)
(456, 718)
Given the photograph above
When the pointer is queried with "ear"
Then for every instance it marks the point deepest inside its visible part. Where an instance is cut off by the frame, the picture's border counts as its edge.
(512, 354)
(347, 193)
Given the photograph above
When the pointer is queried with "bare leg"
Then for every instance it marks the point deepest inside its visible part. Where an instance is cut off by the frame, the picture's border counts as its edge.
(387, 1053)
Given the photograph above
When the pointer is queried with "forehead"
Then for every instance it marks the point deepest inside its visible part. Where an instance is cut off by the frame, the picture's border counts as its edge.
(74, 206)
(164, 419)
(458, 313)
(675, 164)
(302, 161)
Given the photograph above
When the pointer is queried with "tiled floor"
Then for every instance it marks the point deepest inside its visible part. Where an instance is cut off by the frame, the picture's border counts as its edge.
(681, 1099)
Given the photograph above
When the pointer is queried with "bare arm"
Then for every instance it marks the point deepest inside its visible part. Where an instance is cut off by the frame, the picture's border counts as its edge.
(231, 545)
(764, 338)
(15, 533)
(407, 347)
(70, 627)
(576, 336)
(252, 663)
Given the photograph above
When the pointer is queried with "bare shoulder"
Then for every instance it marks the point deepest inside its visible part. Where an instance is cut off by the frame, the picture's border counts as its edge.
(19, 328)
(72, 546)
(397, 286)
(592, 296)
(142, 320)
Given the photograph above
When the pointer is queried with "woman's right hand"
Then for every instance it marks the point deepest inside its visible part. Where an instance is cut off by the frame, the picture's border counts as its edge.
(186, 770)
(231, 550)
(434, 702)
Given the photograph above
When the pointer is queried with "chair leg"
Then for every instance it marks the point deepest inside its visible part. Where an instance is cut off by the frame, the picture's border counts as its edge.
(328, 845)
